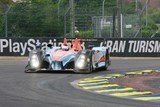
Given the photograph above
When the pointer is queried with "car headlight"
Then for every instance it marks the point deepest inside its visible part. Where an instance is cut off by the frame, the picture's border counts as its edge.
(82, 57)
(35, 61)
(34, 57)
(81, 62)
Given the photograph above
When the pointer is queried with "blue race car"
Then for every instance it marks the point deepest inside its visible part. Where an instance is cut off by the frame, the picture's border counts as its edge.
(66, 58)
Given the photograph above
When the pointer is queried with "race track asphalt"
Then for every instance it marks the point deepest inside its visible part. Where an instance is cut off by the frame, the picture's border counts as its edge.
(19, 89)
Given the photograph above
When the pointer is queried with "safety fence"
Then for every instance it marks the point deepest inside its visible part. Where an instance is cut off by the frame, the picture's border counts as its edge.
(117, 47)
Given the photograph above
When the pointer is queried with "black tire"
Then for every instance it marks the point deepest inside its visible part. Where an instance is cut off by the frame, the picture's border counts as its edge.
(107, 62)
(90, 67)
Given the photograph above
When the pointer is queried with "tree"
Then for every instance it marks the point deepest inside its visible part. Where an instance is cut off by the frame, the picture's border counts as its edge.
(155, 14)
(36, 18)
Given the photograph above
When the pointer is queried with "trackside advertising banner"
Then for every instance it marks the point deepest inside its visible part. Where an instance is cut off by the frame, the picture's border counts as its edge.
(117, 47)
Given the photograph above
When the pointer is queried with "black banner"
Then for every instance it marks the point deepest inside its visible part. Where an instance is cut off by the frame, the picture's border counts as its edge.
(117, 47)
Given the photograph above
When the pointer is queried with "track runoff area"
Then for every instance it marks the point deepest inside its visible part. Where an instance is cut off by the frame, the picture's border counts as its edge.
(101, 85)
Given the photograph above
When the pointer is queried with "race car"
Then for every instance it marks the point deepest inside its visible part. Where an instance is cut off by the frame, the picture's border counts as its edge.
(68, 58)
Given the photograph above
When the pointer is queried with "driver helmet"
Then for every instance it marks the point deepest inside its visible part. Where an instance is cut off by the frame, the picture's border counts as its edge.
(65, 47)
